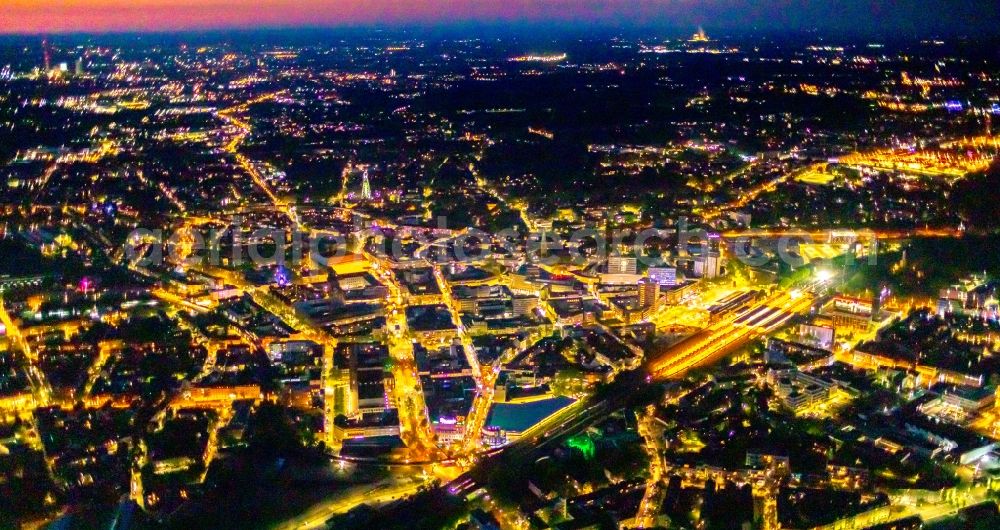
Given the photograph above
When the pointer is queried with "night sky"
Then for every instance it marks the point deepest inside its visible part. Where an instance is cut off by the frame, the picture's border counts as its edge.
(835, 16)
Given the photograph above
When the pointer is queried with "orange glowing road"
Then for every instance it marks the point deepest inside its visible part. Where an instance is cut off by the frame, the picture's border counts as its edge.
(649, 507)
(746, 196)
(730, 333)
(40, 387)
(233, 146)
(860, 234)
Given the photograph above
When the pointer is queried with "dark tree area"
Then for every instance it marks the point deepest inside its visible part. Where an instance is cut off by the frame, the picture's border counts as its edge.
(977, 199)
(253, 485)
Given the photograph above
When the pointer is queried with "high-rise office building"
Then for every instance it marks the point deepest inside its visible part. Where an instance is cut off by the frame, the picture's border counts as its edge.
(649, 293)
(46, 55)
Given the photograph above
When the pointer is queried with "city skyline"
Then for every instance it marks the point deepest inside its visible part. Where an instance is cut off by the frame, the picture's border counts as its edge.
(115, 16)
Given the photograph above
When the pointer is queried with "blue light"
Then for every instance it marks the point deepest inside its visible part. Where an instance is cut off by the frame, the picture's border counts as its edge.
(282, 277)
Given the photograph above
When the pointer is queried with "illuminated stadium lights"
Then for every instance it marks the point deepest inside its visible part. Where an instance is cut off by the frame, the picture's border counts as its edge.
(551, 58)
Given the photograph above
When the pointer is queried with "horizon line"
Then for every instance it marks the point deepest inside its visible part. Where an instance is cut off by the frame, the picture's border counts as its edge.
(501, 26)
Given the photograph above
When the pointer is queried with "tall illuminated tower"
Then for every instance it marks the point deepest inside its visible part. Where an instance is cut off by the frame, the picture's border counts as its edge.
(366, 187)
(46, 54)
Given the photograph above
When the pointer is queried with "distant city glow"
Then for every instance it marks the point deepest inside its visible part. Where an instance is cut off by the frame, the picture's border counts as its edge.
(55, 16)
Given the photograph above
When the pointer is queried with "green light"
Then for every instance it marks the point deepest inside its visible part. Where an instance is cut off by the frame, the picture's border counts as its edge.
(584, 444)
